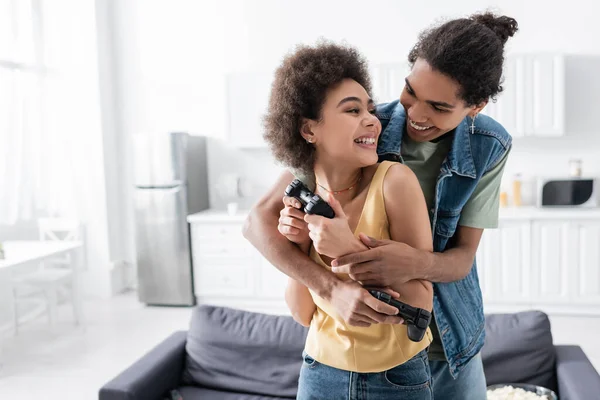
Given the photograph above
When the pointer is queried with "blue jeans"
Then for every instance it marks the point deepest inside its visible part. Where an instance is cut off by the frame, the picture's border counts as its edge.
(469, 385)
(408, 381)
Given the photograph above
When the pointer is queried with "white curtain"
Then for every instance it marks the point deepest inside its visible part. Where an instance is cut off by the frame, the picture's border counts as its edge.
(49, 112)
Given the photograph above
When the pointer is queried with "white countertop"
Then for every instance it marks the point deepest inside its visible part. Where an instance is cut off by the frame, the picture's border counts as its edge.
(212, 215)
(511, 213)
(530, 212)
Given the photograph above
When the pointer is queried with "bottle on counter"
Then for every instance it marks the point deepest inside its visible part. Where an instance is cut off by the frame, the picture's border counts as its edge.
(575, 168)
(503, 199)
(516, 190)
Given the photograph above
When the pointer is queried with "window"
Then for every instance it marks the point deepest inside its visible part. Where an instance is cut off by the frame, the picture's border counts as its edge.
(48, 104)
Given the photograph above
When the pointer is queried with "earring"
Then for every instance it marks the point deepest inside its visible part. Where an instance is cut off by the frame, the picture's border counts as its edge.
(308, 140)
(473, 124)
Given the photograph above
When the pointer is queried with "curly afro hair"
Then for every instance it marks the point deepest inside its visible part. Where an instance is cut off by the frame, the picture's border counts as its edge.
(299, 89)
(470, 51)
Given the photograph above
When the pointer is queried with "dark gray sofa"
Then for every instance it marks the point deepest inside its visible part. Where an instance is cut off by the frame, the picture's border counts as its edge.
(231, 354)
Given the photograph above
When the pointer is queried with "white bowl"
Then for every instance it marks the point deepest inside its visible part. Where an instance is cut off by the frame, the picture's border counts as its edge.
(539, 390)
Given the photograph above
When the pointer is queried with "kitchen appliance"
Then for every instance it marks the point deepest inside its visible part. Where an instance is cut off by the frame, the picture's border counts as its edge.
(171, 182)
(567, 192)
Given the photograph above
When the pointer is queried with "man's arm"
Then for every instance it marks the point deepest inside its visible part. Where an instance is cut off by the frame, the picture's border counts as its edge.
(390, 262)
(352, 302)
(480, 212)
(453, 264)
(260, 229)
(299, 299)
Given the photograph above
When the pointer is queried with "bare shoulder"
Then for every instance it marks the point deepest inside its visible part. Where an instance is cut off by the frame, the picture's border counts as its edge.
(398, 179)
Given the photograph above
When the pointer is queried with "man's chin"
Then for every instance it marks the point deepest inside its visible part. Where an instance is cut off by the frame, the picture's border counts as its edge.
(423, 136)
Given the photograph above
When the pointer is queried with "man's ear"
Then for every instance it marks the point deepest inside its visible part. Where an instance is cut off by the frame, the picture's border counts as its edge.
(306, 130)
(477, 109)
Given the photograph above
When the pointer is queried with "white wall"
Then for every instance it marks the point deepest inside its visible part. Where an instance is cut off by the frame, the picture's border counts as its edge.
(185, 47)
(170, 60)
(260, 33)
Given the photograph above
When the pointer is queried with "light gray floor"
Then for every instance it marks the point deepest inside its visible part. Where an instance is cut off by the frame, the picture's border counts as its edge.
(73, 363)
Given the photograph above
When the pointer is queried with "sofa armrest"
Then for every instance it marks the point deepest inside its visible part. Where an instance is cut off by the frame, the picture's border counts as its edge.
(577, 377)
(153, 375)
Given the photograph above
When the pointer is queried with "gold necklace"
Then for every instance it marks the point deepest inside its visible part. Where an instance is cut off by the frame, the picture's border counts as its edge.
(343, 190)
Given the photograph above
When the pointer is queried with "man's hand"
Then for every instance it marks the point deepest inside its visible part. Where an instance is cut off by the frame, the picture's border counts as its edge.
(359, 308)
(386, 263)
(291, 222)
(332, 237)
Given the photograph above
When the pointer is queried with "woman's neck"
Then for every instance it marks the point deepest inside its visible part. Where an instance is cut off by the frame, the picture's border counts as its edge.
(340, 181)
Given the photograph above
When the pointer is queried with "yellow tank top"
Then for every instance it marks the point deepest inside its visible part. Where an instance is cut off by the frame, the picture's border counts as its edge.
(379, 347)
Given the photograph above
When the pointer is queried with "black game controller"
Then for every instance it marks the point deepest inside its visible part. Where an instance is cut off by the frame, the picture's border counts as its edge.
(416, 319)
(311, 203)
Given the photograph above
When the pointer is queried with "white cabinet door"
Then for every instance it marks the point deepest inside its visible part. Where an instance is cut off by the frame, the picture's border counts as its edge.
(388, 81)
(532, 102)
(509, 108)
(223, 261)
(553, 251)
(548, 95)
(503, 263)
(583, 263)
(272, 281)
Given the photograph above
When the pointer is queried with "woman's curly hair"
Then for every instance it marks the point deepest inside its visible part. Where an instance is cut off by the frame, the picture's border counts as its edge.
(299, 90)
(470, 51)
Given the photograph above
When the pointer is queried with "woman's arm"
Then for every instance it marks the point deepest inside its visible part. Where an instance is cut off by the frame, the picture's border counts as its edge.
(260, 229)
(406, 210)
(299, 299)
(353, 303)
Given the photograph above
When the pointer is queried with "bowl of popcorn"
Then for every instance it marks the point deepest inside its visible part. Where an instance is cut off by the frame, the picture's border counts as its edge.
(519, 391)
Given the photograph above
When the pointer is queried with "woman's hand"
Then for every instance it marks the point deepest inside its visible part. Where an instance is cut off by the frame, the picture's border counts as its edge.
(291, 222)
(332, 237)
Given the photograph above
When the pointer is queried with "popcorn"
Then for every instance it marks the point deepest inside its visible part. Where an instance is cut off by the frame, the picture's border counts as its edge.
(512, 393)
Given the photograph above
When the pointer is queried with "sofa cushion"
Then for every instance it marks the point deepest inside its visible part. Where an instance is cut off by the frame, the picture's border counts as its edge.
(518, 349)
(195, 393)
(240, 351)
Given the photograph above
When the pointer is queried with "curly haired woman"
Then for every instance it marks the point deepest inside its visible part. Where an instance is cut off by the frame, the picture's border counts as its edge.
(321, 120)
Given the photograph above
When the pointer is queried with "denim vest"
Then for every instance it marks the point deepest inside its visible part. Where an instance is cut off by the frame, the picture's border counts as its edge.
(458, 305)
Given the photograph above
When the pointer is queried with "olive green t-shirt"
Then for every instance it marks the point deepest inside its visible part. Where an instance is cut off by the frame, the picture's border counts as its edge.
(481, 210)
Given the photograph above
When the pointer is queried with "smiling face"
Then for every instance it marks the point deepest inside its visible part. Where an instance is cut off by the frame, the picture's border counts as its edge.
(348, 129)
(432, 105)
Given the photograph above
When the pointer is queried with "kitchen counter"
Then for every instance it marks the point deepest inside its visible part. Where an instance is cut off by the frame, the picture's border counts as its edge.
(213, 215)
(549, 213)
(510, 213)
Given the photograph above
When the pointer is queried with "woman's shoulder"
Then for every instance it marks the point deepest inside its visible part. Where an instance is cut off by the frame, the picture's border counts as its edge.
(397, 177)
(396, 171)
(400, 186)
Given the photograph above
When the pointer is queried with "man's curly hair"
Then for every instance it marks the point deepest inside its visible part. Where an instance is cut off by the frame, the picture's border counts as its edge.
(470, 51)
(299, 90)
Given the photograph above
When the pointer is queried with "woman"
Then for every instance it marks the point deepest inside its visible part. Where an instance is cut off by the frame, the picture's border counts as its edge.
(458, 156)
(321, 121)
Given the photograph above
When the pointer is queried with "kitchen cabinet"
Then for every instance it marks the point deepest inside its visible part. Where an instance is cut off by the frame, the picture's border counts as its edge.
(537, 258)
(532, 102)
(503, 263)
(228, 270)
(543, 259)
(566, 262)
